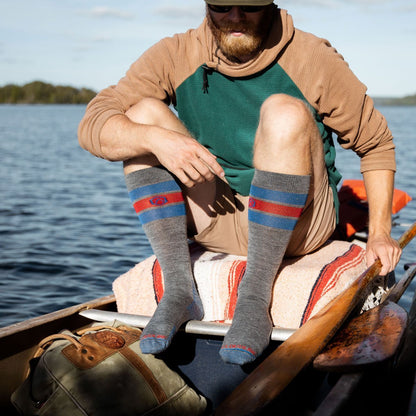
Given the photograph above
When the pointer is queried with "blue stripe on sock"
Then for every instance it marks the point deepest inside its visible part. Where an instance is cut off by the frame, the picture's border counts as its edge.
(157, 188)
(273, 221)
(278, 196)
(162, 212)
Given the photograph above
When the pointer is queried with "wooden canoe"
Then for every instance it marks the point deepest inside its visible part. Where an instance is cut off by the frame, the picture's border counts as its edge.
(312, 392)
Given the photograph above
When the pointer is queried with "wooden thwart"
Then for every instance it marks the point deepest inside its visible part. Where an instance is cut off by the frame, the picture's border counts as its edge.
(271, 377)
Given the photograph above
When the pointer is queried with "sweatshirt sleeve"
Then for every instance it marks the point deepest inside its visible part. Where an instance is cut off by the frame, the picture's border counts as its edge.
(350, 113)
(147, 77)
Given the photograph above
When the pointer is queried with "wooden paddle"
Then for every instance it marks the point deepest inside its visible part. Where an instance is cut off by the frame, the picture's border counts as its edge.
(369, 338)
(274, 374)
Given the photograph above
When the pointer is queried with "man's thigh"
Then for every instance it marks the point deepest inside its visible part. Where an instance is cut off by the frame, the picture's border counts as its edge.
(227, 231)
(317, 221)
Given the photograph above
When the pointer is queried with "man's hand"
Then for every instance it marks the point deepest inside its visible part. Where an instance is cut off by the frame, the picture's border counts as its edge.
(379, 185)
(386, 249)
(135, 144)
(187, 159)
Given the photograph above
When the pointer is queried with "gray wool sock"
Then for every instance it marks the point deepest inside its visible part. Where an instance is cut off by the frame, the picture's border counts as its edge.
(275, 204)
(158, 201)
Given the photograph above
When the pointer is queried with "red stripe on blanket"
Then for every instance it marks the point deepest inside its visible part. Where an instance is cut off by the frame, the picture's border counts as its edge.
(157, 281)
(157, 276)
(329, 276)
(235, 275)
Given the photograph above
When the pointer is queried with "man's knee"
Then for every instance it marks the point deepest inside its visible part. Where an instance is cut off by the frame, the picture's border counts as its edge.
(285, 132)
(285, 121)
(284, 111)
(147, 111)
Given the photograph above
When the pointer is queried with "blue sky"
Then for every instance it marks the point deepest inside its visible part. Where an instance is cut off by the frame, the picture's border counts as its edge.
(91, 43)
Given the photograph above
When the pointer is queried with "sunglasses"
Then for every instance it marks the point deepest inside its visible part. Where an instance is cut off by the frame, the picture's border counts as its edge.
(226, 9)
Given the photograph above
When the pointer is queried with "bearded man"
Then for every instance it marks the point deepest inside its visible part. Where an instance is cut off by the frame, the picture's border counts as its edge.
(247, 166)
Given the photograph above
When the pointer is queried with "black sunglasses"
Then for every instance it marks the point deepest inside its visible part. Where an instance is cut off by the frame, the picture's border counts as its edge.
(226, 9)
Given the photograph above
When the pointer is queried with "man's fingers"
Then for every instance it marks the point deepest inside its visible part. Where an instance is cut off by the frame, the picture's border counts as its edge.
(211, 163)
(191, 176)
(388, 258)
(185, 179)
(197, 173)
(189, 161)
(205, 170)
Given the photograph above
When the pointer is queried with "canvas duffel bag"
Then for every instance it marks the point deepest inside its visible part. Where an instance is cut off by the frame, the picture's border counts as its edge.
(102, 371)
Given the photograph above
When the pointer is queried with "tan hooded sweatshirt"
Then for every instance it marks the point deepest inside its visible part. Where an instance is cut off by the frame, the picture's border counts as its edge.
(319, 75)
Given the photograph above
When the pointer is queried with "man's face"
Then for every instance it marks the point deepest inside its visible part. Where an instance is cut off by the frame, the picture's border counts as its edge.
(240, 34)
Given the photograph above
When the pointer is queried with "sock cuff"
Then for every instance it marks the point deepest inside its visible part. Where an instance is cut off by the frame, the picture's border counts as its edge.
(281, 181)
(149, 176)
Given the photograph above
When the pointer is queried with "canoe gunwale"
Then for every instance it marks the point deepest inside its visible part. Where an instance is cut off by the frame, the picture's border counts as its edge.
(30, 324)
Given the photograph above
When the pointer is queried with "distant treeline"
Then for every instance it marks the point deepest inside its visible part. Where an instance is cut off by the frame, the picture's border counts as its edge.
(39, 92)
(408, 100)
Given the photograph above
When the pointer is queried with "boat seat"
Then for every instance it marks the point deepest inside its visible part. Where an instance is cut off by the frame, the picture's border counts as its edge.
(303, 286)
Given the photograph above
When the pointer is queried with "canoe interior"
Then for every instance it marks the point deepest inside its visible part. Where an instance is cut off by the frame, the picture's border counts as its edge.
(196, 358)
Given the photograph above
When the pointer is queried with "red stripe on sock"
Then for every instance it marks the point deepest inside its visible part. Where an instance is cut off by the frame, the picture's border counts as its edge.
(238, 347)
(157, 201)
(273, 208)
(154, 336)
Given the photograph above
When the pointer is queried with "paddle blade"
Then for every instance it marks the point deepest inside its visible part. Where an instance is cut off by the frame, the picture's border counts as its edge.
(359, 342)
(369, 338)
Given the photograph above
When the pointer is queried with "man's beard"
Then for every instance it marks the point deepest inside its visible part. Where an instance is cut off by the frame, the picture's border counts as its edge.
(236, 48)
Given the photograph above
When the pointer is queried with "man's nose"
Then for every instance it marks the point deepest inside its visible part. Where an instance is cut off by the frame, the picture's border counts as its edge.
(235, 14)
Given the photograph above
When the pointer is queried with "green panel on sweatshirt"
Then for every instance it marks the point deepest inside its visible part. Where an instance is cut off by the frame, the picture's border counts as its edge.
(224, 116)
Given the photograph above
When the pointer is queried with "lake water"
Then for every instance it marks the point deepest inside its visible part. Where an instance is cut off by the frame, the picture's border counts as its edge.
(67, 229)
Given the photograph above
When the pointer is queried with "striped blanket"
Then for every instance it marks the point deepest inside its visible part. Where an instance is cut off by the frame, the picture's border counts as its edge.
(303, 286)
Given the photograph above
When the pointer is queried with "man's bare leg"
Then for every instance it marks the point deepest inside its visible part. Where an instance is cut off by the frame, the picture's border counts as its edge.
(163, 211)
(288, 153)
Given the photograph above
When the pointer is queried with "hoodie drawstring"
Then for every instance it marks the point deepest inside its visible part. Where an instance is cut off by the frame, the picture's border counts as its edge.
(206, 71)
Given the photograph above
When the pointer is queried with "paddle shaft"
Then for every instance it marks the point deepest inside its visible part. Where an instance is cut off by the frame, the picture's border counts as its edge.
(275, 373)
(399, 288)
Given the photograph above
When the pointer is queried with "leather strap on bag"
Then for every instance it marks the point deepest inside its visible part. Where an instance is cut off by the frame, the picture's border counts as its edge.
(100, 342)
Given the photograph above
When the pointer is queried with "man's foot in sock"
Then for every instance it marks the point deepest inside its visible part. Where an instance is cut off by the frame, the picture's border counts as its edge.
(249, 334)
(170, 315)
